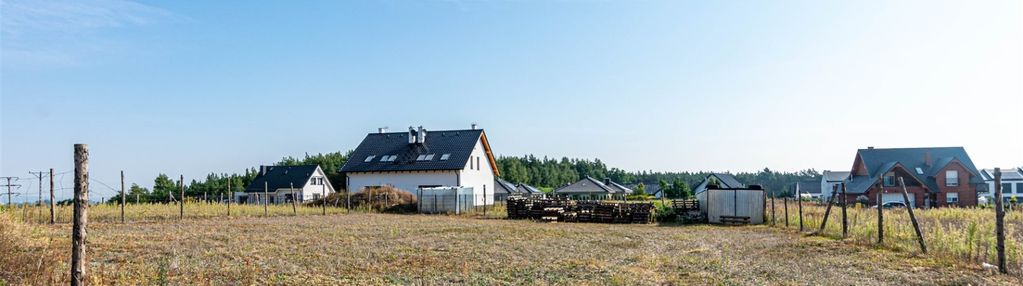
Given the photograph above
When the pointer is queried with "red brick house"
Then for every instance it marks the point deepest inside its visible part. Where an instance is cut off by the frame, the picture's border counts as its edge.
(935, 177)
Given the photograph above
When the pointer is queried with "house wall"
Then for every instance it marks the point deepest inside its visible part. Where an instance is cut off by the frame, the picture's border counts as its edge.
(1015, 190)
(827, 187)
(918, 194)
(478, 174)
(967, 192)
(408, 181)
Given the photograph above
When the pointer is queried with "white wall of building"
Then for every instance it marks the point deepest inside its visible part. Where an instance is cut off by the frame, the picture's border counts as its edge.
(479, 175)
(1015, 190)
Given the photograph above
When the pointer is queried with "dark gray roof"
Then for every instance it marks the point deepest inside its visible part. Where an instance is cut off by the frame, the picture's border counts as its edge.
(621, 188)
(833, 176)
(651, 189)
(1008, 174)
(728, 181)
(807, 187)
(458, 143)
(282, 177)
(587, 185)
(503, 187)
(527, 189)
(879, 161)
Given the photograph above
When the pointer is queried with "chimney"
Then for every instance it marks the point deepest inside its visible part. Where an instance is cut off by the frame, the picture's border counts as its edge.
(262, 170)
(381, 130)
(412, 135)
(474, 125)
(870, 147)
(927, 159)
(607, 181)
(421, 139)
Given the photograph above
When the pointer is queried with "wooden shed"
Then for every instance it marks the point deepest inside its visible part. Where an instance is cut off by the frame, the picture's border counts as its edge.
(733, 205)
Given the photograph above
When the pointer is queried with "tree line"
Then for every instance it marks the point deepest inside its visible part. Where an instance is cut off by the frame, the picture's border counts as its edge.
(545, 173)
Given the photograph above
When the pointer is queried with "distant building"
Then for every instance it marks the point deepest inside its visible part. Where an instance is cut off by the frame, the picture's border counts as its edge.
(1012, 184)
(807, 190)
(941, 176)
(721, 180)
(503, 189)
(830, 181)
(420, 159)
(282, 183)
(527, 190)
(592, 189)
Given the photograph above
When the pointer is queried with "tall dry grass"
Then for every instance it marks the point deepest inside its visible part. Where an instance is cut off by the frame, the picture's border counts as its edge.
(26, 254)
(960, 234)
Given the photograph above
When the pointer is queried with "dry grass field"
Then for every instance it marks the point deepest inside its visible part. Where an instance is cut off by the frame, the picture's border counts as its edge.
(366, 248)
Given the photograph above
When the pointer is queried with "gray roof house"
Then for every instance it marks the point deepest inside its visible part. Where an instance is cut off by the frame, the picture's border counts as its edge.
(590, 188)
(529, 190)
(1012, 184)
(503, 187)
(807, 189)
(934, 176)
(724, 181)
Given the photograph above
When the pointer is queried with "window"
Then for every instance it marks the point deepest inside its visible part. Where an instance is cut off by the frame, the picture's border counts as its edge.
(1006, 188)
(421, 157)
(919, 171)
(316, 196)
(370, 158)
(314, 181)
(388, 158)
(1019, 188)
(470, 163)
(429, 157)
(951, 178)
(952, 198)
(889, 179)
(477, 163)
(445, 157)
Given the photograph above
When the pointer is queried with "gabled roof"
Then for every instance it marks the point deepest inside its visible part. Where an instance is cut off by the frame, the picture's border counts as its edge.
(457, 143)
(833, 176)
(922, 163)
(527, 189)
(587, 185)
(728, 181)
(1008, 174)
(807, 187)
(620, 188)
(502, 186)
(282, 177)
(650, 189)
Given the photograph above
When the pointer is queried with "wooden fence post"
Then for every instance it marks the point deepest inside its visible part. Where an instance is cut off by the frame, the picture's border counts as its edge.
(123, 199)
(880, 211)
(266, 198)
(294, 199)
(772, 208)
(81, 216)
(799, 204)
(999, 222)
(53, 213)
(785, 204)
(912, 217)
(323, 194)
(181, 209)
(230, 195)
(845, 216)
(827, 210)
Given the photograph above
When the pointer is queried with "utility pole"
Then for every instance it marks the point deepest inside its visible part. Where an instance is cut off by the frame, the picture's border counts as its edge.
(39, 203)
(9, 185)
(123, 199)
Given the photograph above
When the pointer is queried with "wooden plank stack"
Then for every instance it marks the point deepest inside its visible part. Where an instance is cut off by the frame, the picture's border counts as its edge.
(579, 211)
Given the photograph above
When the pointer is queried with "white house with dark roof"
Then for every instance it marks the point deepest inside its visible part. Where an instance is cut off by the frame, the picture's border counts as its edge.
(281, 183)
(831, 180)
(592, 189)
(1012, 184)
(723, 180)
(422, 159)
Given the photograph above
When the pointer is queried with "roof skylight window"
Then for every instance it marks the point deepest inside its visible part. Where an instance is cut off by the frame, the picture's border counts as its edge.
(919, 171)
(370, 158)
(445, 156)
(429, 157)
(421, 157)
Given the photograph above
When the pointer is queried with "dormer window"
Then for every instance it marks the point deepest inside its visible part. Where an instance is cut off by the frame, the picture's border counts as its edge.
(370, 158)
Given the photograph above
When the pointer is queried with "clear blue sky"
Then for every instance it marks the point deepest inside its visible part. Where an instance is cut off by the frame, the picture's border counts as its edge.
(193, 87)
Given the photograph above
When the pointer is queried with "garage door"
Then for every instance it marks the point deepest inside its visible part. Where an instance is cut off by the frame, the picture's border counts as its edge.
(897, 197)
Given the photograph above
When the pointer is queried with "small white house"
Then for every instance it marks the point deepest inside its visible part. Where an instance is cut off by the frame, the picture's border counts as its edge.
(830, 181)
(1012, 184)
(419, 159)
(281, 184)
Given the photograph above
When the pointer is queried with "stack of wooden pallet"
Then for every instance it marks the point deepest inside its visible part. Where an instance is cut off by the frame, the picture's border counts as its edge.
(579, 211)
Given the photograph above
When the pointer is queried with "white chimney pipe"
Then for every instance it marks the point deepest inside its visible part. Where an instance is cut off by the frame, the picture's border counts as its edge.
(412, 136)
(421, 139)
(474, 126)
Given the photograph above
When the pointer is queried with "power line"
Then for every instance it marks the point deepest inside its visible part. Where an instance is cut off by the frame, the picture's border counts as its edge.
(9, 185)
